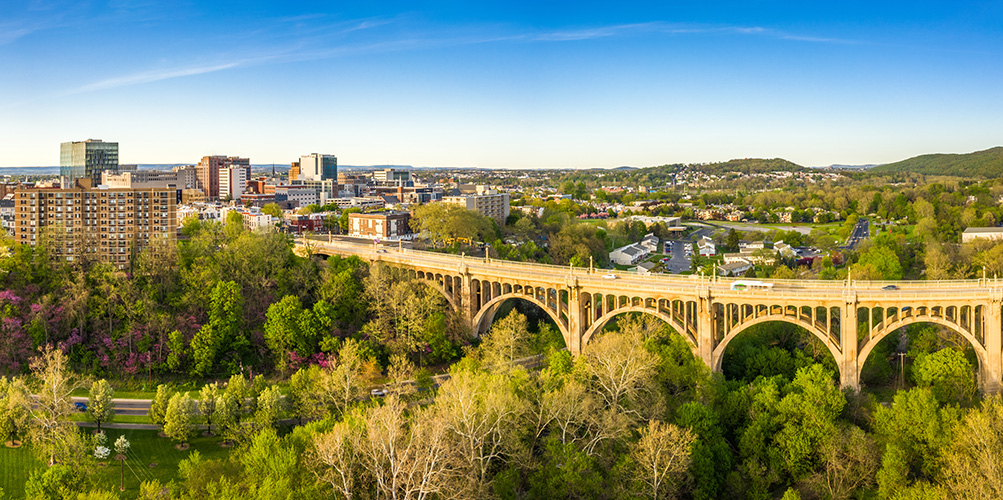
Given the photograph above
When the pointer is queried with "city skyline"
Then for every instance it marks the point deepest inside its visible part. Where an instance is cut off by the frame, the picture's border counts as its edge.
(503, 86)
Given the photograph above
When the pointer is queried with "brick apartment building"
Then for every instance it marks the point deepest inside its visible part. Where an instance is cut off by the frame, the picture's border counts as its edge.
(109, 224)
(385, 225)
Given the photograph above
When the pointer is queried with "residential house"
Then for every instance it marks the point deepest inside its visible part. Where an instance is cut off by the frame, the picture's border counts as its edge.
(628, 255)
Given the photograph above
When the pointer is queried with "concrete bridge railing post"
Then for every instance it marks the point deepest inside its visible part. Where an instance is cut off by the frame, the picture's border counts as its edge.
(849, 371)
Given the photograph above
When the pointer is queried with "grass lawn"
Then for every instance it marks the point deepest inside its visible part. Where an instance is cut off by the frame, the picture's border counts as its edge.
(147, 447)
(83, 393)
(119, 419)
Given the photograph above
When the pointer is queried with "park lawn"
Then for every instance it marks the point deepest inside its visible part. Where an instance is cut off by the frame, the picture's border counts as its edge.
(146, 448)
(15, 467)
(119, 419)
(83, 393)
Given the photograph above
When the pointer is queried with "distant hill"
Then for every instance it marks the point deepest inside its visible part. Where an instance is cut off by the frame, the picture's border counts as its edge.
(988, 163)
(750, 166)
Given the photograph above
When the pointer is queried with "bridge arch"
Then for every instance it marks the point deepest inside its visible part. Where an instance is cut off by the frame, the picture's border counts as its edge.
(718, 354)
(980, 351)
(600, 323)
(436, 282)
(486, 314)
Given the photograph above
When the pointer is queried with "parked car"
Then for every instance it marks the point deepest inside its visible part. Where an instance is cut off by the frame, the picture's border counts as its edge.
(81, 407)
(378, 393)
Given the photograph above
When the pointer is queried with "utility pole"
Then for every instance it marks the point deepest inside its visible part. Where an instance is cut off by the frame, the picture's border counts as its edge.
(901, 356)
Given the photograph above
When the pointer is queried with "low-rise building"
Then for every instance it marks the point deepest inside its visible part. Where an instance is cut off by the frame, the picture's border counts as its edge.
(737, 268)
(645, 267)
(706, 247)
(650, 243)
(387, 225)
(980, 233)
(628, 255)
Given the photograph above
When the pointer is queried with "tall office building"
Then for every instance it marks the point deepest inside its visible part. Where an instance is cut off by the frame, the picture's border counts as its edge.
(109, 224)
(207, 172)
(233, 181)
(87, 159)
(294, 171)
(318, 167)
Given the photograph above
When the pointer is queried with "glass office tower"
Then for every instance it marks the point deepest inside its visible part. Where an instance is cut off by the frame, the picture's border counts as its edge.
(87, 159)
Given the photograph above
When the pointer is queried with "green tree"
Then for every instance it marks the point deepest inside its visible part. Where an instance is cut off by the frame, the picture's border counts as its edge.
(507, 341)
(305, 398)
(878, 263)
(288, 327)
(971, 463)
(948, 374)
(272, 209)
(100, 409)
(208, 403)
(180, 418)
(442, 222)
(916, 430)
(158, 407)
(222, 332)
(270, 408)
(15, 400)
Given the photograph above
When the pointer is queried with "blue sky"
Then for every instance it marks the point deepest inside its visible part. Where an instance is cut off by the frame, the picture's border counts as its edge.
(501, 84)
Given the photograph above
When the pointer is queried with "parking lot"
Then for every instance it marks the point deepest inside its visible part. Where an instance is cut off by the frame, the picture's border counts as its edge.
(680, 260)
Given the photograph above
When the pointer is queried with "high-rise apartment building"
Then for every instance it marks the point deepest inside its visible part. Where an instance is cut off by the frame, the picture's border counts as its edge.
(233, 181)
(207, 171)
(87, 159)
(486, 202)
(318, 167)
(109, 224)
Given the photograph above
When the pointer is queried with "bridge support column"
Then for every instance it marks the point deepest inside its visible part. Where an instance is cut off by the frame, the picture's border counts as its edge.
(705, 330)
(849, 371)
(576, 319)
(994, 344)
(467, 302)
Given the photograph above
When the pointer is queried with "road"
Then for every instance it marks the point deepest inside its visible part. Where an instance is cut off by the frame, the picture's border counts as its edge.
(132, 407)
(860, 232)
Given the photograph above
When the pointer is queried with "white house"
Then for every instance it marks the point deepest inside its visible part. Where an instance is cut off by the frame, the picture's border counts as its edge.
(736, 268)
(649, 243)
(706, 247)
(628, 255)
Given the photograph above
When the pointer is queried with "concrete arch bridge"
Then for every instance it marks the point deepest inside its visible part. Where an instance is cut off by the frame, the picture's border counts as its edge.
(850, 318)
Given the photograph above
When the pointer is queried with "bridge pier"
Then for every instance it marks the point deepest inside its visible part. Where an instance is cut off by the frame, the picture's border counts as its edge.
(849, 371)
(994, 344)
(576, 319)
(705, 330)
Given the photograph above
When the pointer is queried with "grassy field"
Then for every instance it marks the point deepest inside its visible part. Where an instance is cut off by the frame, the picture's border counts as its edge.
(119, 419)
(83, 393)
(147, 448)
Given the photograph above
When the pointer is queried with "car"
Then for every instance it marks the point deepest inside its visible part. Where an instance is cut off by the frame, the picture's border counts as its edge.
(382, 250)
(889, 287)
(81, 407)
(609, 276)
(378, 393)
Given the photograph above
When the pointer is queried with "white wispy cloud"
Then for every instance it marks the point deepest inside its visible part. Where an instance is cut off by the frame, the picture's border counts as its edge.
(153, 76)
(677, 29)
(318, 46)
